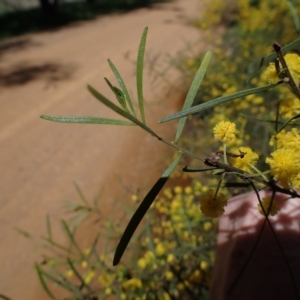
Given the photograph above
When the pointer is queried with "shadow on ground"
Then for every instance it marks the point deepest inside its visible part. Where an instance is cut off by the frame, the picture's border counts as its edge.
(19, 44)
(18, 22)
(49, 72)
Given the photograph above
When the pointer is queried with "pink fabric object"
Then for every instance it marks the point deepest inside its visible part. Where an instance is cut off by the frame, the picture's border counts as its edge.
(266, 276)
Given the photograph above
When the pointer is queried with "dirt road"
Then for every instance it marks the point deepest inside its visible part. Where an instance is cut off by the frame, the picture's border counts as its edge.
(46, 73)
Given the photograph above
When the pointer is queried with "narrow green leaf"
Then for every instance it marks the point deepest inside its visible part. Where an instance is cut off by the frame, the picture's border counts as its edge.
(54, 244)
(71, 237)
(49, 230)
(41, 278)
(196, 169)
(118, 93)
(193, 92)
(24, 233)
(94, 250)
(217, 173)
(294, 15)
(80, 193)
(141, 211)
(139, 73)
(86, 120)
(119, 111)
(122, 85)
(149, 235)
(57, 278)
(288, 121)
(97, 199)
(217, 101)
(76, 273)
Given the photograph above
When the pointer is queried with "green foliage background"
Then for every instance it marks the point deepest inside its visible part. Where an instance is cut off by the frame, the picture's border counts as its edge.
(18, 19)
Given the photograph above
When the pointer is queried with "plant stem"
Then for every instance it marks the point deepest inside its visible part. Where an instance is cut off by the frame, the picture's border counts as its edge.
(292, 83)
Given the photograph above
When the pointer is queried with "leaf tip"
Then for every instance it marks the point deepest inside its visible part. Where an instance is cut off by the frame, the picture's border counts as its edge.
(45, 117)
(163, 120)
(118, 256)
(115, 262)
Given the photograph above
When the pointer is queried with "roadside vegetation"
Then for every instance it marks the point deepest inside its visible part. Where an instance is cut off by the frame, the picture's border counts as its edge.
(244, 93)
(17, 17)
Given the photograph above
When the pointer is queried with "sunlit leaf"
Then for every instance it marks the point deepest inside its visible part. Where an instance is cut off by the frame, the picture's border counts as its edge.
(139, 73)
(119, 111)
(141, 211)
(87, 120)
(49, 229)
(218, 101)
(118, 93)
(122, 86)
(193, 92)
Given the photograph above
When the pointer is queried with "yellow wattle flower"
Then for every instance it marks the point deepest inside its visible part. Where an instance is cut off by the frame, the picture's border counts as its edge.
(270, 74)
(284, 165)
(244, 162)
(286, 139)
(293, 63)
(224, 131)
(266, 202)
(132, 284)
(211, 205)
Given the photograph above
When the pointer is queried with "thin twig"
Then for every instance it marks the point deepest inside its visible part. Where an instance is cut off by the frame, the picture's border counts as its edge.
(254, 246)
(291, 81)
(247, 176)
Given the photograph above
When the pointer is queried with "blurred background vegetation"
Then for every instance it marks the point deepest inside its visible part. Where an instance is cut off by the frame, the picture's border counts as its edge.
(175, 256)
(23, 16)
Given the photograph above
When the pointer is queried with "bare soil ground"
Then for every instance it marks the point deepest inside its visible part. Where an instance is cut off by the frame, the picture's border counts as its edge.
(46, 73)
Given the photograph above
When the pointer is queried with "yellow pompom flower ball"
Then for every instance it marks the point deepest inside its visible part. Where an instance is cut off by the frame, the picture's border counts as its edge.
(213, 205)
(284, 165)
(266, 202)
(293, 63)
(224, 131)
(245, 161)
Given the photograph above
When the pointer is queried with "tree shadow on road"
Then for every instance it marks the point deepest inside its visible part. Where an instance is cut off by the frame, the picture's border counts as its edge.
(18, 44)
(23, 73)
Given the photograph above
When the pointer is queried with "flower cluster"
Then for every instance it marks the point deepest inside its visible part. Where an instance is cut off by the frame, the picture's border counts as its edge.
(172, 255)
